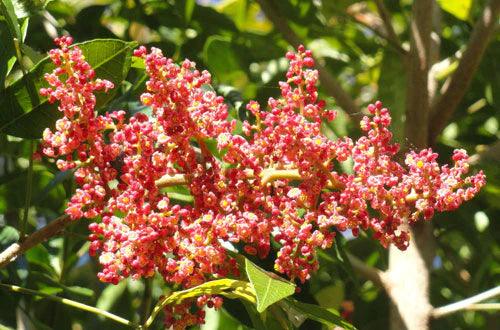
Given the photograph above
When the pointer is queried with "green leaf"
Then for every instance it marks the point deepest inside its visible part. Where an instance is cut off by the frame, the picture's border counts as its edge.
(7, 53)
(23, 117)
(179, 193)
(69, 302)
(32, 54)
(392, 94)
(24, 28)
(188, 9)
(316, 313)
(458, 8)
(8, 11)
(46, 280)
(39, 256)
(8, 235)
(138, 63)
(110, 295)
(46, 190)
(269, 288)
(255, 317)
(226, 287)
(80, 291)
(3, 327)
(330, 296)
(223, 62)
(58, 179)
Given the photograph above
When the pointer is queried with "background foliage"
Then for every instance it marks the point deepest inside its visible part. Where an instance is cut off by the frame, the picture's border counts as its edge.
(244, 52)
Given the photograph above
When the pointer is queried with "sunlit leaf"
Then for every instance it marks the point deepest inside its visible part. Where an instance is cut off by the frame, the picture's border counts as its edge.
(226, 287)
(8, 11)
(223, 62)
(269, 288)
(110, 295)
(8, 235)
(458, 8)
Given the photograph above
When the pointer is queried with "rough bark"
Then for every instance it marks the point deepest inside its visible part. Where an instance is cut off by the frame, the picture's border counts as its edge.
(39, 236)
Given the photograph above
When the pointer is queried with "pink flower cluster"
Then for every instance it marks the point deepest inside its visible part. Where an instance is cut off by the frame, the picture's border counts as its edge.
(277, 183)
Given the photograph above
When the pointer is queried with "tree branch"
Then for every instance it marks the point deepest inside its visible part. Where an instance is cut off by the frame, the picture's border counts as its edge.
(455, 88)
(467, 303)
(370, 273)
(483, 307)
(329, 83)
(417, 100)
(361, 14)
(39, 236)
(389, 28)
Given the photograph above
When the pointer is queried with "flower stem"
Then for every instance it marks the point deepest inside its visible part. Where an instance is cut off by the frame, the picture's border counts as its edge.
(29, 188)
(71, 303)
(267, 175)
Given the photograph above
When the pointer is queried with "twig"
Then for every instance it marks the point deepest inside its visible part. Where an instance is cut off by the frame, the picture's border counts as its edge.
(34, 100)
(370, 273)
(455, 88)
(146, 299)
(467, 303)
(386, 18)
(39, 236)
(361, 15)
(29, 187)
(331, 85)
(71, 303)
(483, 307)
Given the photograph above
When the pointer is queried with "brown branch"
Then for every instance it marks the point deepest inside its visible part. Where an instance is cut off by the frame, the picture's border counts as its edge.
(407, 280)
(417, 100)
(39, 236)
(389, 28)
(329, 83)
(434, 51)
(370, 273)
(466, 303)
(361, 14)
(455, 88)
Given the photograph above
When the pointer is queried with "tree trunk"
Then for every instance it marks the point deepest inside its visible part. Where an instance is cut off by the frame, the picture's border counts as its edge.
(407, 279)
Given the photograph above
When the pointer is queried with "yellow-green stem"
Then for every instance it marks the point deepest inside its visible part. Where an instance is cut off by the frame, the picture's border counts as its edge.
(27, 200)
(71, 303)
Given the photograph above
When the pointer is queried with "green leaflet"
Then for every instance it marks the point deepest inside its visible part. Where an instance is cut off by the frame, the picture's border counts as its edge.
(269, 288)
(226, 287)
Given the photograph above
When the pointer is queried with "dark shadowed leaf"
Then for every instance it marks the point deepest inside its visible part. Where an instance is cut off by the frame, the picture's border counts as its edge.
(317, 313)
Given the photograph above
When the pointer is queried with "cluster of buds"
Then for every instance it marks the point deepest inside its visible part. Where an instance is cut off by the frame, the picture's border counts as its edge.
(277, 185)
